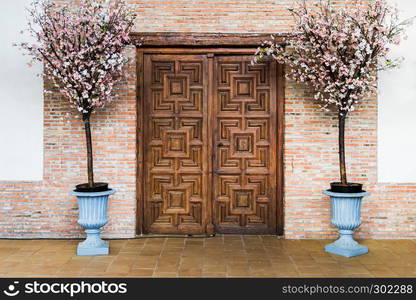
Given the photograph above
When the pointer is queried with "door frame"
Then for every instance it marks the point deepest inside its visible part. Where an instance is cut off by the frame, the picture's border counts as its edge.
(209, 44)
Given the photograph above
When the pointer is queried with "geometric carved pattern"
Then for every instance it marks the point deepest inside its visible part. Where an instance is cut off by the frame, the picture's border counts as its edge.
(176, 144)
(244, 168)
(177, 197)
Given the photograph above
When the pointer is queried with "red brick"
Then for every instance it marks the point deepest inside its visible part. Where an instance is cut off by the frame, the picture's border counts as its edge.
(45, 209)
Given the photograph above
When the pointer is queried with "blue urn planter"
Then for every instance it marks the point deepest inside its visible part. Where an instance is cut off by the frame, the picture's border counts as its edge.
(347, 217)
(93, 216)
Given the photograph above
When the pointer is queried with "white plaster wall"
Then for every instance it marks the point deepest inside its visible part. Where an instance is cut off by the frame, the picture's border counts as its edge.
(21, 100)
(397, 110)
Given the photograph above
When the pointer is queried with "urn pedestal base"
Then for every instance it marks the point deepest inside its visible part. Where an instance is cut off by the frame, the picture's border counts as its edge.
(346, 246)
(93, 245)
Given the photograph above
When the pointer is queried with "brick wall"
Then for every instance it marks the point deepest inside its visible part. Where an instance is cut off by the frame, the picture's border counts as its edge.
(44, 209)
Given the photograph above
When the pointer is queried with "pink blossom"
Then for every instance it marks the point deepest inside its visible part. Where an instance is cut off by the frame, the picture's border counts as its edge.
(81, 47)
(338, 51)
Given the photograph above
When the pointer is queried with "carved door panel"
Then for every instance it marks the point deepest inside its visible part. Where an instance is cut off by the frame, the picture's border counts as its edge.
(176, 189)
(245, 133)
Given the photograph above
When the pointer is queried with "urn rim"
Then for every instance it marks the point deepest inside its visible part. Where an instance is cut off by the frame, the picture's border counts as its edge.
(346, 195)
(93, 194)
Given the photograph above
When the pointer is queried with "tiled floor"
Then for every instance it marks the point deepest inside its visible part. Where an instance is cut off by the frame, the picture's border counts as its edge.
(220, 256)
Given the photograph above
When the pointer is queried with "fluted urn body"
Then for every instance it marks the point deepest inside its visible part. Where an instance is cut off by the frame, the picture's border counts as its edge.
(93, 216)
(346, 215)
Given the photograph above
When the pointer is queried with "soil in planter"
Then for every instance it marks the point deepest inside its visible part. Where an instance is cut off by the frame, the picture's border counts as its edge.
(338, 187)
(98, 187)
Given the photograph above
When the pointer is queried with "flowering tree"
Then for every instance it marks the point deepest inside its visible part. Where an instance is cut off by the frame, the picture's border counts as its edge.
(81, 49)
(337, 52)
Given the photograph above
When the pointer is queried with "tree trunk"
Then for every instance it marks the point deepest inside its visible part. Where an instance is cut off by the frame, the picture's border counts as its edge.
(341, 147)
(86, 119)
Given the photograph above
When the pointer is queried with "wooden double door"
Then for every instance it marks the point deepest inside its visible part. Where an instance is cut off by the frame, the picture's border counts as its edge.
(209, 141)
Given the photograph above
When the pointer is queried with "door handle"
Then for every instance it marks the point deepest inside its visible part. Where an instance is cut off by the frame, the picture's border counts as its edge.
(220, 144)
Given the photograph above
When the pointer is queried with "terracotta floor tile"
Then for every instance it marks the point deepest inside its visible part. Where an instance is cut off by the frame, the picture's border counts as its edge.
(283, 265)
(377, 267)
(16, 274)
(238, 276)
(102, 259)
(213, 258)
(331, 268)
(171, 251)
(92, 273)
(214, 268)
(357, 270)
(186, 274)
(119, 269)
(17, 258)
(141, 272)
(144, 264)
(404, 271)
(190, 266)
(169, 261)
(237, 270)
(264, 271)
(98, 266)
(71, 265)
(165, 274)
(220, 256)
(69, 272)
(280, 260)
(166, 269)
(213, 275)
(383, 274)
(309, 271)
